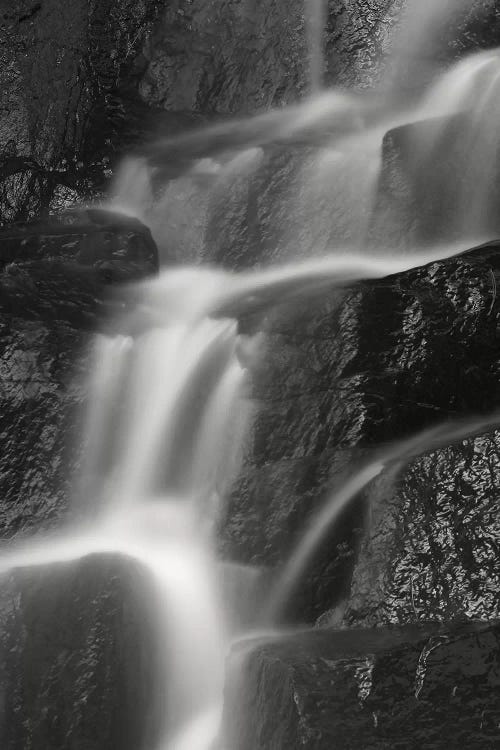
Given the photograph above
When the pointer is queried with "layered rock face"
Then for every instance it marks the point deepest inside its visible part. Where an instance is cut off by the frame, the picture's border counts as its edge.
(70, 107)
(340, 376)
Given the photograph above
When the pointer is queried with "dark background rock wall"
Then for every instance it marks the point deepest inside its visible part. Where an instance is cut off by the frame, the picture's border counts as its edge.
(61, 62)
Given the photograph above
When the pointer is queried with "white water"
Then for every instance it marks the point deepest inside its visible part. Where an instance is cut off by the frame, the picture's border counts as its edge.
(335, 137)
(166, 429)
(169, 411)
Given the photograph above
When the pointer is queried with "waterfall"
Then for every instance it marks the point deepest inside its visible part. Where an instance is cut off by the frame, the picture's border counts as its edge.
(321, 523)
(166, 426)
(169, 407)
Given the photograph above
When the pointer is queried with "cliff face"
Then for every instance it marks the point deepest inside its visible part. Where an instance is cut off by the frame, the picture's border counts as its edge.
(77, 670)
(340, 375)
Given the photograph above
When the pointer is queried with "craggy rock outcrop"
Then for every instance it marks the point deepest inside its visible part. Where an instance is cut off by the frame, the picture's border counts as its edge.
(347, 374)
(57, 63)
(367, 690)
(78, 669)
(431, 548)
(230, 57)
(53, 290)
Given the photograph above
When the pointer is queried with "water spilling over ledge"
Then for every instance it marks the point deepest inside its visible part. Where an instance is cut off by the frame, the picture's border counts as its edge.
(309, 436)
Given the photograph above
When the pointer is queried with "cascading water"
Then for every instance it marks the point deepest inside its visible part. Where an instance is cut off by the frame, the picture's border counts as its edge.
(428, 440)
(168, 410)
(334, 140)
(166, 430)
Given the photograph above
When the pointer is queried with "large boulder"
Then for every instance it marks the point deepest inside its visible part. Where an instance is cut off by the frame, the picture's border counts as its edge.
(78, 667)
(408, 688)
(346, 374)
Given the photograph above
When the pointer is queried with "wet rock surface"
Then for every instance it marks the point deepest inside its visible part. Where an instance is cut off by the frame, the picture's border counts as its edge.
(432, 539)
(58, 62)
(359, 369)
(367, 689)
(77, 664)
(55, 289)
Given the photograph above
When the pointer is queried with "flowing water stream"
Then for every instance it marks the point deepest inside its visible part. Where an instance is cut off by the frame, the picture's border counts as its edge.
(169, 408)
(167, 421)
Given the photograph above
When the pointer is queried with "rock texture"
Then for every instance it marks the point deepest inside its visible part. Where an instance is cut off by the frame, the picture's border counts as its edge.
(86, 82)
(75, 639)
(77, 664)
(348, 374)
(367, 690)
(54, 285)
(431, 549)
(59, 65)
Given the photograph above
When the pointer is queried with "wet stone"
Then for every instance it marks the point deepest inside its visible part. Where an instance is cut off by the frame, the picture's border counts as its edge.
(414, 687)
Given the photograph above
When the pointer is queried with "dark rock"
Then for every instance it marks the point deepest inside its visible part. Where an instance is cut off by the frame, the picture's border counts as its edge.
(57, 63)
(352, 371)
(54, 291)
(405, 688)
(431, 546)
(78, 668)
(118, 245)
